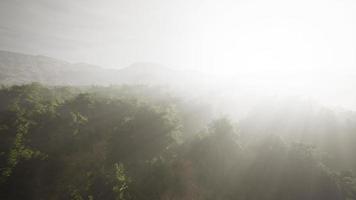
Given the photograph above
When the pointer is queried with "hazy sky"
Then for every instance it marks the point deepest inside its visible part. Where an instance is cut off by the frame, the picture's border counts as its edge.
(306, 46)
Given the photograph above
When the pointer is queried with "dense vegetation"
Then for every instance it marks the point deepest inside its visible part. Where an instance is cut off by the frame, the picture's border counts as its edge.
(137, 142)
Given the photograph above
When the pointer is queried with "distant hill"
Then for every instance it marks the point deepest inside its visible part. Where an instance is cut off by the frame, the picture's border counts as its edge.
(18, 68)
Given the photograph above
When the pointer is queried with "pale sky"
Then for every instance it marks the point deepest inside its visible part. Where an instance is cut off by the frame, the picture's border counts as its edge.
(305, 46)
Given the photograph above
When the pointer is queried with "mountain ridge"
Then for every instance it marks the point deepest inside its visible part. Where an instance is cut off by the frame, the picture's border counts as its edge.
(20, 68)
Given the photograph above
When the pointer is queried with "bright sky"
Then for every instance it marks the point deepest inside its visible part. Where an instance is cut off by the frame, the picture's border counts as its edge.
(305, 47)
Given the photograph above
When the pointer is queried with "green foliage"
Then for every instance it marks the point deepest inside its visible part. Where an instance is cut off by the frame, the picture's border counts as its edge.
(131, 143)
(122, 183)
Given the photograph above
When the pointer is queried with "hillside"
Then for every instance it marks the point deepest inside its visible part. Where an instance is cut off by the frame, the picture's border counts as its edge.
(136, 143)
(18, 68)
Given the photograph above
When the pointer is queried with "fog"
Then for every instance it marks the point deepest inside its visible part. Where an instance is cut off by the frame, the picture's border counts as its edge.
(178, 100)
(304, 48)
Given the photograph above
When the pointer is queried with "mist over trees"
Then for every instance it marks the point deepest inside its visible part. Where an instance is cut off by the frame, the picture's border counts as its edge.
(141, 142)
(177, 100)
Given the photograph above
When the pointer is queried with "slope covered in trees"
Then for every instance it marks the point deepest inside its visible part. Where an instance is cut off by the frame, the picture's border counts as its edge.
(138, 142)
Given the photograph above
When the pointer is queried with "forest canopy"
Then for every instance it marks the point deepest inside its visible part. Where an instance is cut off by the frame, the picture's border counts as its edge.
(141, 142)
